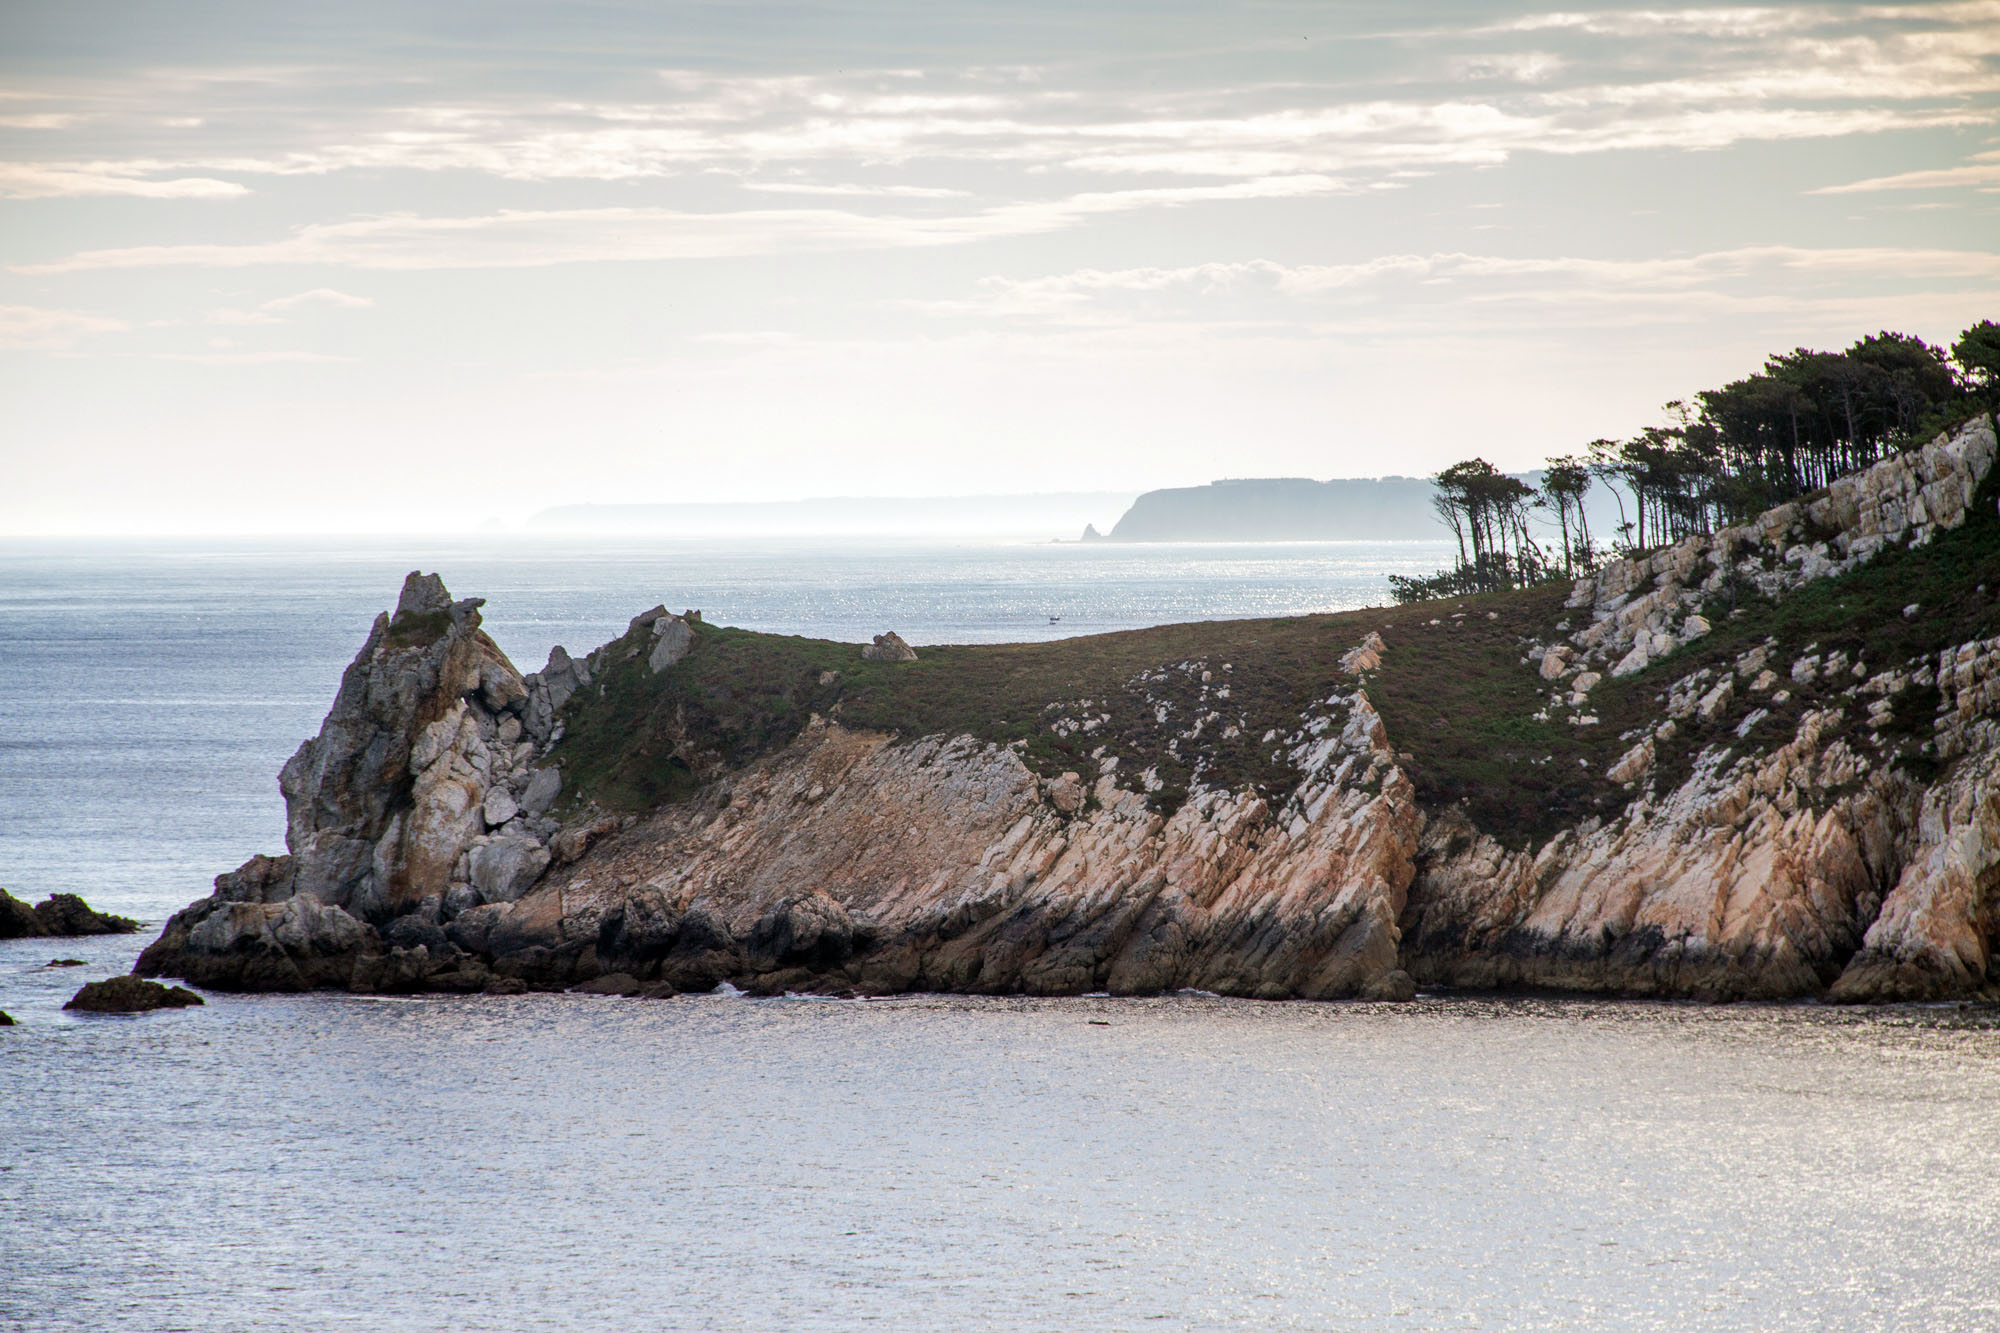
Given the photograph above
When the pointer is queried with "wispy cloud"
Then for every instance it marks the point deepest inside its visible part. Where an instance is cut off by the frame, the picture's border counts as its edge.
(1981, 173)
(1469, 287)
(69, 180)
(268, 358)
(274, 311)
(30, 328)
(1673, 78)
(529, 239)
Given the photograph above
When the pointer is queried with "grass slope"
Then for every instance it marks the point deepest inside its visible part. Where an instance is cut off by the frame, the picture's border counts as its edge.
(1454, 689)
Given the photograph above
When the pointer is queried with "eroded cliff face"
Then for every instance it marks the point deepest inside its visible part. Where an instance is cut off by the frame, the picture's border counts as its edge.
(945, 864)
(1763, 871)
(1787, 821)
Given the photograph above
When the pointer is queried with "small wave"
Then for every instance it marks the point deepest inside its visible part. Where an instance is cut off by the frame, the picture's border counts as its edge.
(726, 991)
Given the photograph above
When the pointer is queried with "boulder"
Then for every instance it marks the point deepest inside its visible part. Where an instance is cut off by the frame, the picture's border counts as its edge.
(889, 648)
(499, 808)
(130, 995)
(1395, 986)
(572, 843)
(6, 1020)
(541, 792)
(1635, 661)
(1634, 764)
(507, 867)
(1066, 792)
(672, 637)
(398, 972)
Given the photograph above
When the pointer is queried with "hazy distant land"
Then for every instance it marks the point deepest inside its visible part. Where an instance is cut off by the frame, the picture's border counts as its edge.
(1254, 509)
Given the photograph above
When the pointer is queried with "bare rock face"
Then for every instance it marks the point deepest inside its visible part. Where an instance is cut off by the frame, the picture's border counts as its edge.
(1730, 886)
(428, 742)
(1938, 932)
(944, 865)
(381, 803)
(1640, 610)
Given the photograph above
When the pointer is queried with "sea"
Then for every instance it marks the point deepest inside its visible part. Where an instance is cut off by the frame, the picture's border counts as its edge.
(581, 1163)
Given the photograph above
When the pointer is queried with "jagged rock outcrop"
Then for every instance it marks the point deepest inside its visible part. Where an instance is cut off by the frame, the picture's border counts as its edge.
(889, 648)
(1774, 854)
(1643, 608)
(59, 914)
(420, 789)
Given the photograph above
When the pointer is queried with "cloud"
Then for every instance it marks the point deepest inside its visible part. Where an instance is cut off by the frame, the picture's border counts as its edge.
(252, 358)
(531, 239)
(882, 191)
(1693, 78)
(272, 311)
(1981, 173)
(64, 180)
(29, 328)
(1424, 292)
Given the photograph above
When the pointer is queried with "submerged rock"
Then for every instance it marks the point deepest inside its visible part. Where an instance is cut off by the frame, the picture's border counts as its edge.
(130, 995)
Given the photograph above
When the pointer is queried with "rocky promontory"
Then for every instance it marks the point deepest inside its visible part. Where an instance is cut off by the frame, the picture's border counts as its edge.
(1763, 762)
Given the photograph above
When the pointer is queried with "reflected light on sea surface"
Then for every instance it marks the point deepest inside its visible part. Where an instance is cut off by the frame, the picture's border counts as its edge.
(563, 1162)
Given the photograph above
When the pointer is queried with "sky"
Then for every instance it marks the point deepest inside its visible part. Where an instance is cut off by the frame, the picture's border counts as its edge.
(427, 266)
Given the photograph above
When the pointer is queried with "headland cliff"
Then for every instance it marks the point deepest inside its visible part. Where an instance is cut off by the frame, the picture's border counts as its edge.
(1762, 763)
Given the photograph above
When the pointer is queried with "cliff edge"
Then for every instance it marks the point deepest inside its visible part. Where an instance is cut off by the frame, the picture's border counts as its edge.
(1760, 763)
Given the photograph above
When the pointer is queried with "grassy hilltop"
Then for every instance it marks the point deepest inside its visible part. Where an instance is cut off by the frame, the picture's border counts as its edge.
(1455, 687)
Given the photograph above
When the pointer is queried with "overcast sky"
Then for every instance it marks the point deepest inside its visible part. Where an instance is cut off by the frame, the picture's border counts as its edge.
(390, 265)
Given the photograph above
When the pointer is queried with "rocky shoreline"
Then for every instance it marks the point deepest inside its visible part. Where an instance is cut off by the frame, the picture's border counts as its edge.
(1781, 819)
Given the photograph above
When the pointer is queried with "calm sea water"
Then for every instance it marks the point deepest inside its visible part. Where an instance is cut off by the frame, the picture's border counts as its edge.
(572, 1163)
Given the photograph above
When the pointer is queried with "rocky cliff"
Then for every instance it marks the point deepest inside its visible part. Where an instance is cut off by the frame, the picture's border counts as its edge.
(1762, 763)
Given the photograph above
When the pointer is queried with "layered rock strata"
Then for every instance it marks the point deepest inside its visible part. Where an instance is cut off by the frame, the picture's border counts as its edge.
(426, 852)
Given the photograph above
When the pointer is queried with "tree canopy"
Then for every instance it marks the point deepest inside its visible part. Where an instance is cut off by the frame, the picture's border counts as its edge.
(1719, 457)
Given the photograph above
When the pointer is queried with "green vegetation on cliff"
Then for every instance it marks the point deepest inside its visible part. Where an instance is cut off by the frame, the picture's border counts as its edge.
(1222, 703)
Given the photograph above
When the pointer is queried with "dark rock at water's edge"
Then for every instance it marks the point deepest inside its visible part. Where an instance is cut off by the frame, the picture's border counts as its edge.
(6, 1020)
(60, 914)
(131, 995)
(64, 962)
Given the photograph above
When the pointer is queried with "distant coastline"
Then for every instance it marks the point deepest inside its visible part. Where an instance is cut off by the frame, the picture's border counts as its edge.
(1283, 509)
(1277, 509)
